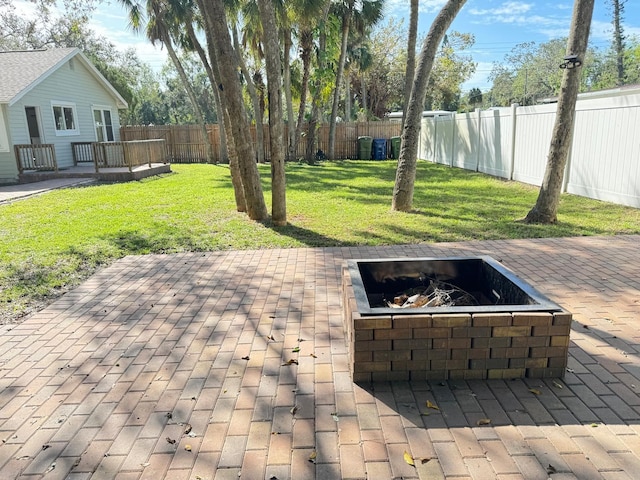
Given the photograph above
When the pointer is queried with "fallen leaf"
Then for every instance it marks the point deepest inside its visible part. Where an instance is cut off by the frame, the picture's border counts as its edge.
(425, 460)
(171, 441)
(187, 429)
(594, 425)
(169, 415)
(432, 405)
(409, 459)
(335, 416)
(143, 465)
(293, 361)
(483, 421)
(535, 391)
(271, 338)
(425, 414)
(45, 446)
(312, 457)
(294, 409)
(245, 358)
(51, 467)
(551, 469)
(296, 350)
(312, 355)
(187, 447)
(557, 385)
(191, 434)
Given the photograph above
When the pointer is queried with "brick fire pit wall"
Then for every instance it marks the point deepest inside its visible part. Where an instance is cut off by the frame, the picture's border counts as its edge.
(454, 346)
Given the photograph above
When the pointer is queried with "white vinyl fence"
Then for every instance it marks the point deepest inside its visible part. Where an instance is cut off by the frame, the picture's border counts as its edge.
(513, 143)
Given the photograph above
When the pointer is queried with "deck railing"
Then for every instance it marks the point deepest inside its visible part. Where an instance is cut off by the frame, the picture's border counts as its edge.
(36, 157)
(82, 152)
(129, 154)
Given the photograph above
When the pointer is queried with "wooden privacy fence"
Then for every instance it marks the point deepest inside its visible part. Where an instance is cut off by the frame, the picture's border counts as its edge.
(186, 145)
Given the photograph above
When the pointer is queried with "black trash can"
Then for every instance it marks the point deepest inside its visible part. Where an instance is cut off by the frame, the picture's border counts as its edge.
(379, 148)
(395, 147)
(364, 148)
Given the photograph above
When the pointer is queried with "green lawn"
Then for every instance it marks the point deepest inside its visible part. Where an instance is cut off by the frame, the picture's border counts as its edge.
(52, 242)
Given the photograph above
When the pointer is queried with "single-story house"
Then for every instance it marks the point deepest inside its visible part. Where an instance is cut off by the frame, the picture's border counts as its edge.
(54, 97)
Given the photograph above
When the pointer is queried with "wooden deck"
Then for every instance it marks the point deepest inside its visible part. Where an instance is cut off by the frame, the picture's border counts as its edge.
(106, 174)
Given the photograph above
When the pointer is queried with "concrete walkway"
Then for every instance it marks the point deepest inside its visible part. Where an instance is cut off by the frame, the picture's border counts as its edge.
(178, 367)
(15, 192)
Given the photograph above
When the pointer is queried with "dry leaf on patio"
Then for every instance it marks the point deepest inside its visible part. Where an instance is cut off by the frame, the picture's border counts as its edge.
(293, 361)
(557, 385)
(171, 441)
(551, 469)
(296, 350)
(313, 456)
(187, 429)
(535, 391)
(143, 465)
(188, 447)
(483, 421)
(270, 337)
(245, 358)
(335, 416)
(313, 355)
(409, 459)
(432, 405)
(294, 409)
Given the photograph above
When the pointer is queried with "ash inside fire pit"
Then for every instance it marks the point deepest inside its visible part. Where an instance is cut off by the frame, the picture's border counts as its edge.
(442, 285)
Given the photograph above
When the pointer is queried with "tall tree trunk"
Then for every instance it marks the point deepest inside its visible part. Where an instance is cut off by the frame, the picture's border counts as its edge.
(406, 172)
(346, 21)
(230, 89)
(216, 96)
(306, 46)
(276, 123)
(192, 97)
(315, 101)
(546, 207)
(228, 150)
(255, 100)
(618, 38)
(286, 71)
(411, 56)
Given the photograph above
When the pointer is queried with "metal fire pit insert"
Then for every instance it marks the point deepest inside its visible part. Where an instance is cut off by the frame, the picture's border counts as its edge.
(510, 331)
(496, 288)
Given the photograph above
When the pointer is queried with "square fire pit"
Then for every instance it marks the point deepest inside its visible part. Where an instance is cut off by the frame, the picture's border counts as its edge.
(449, 318)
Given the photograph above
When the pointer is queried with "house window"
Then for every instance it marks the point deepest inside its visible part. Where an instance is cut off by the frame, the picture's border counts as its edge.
(103, 123)
(65, 119)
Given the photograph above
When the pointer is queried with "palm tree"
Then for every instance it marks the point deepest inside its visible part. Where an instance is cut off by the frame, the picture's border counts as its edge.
(218, 33)
(358, 14)
(163, 17)
(546, 208)
(406, 172)
(411, 55)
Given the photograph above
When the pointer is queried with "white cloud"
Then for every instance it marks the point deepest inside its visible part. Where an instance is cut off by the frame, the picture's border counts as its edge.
(506, 9)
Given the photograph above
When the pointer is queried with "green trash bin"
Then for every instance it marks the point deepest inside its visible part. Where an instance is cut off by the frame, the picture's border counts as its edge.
(364, 148)
(395, 147)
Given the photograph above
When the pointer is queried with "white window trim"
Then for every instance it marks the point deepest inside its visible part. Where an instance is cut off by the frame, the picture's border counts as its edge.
(69, 132)
(102, 108)
(4, 136)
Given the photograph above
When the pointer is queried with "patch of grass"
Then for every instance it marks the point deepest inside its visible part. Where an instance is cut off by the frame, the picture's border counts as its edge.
(52, 242)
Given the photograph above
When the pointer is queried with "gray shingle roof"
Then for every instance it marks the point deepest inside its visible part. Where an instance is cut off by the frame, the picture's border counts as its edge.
(21, 69)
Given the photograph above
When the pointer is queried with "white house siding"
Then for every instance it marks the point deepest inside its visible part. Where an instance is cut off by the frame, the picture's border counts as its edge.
(8, 168)
(604, 159)
(68, 85)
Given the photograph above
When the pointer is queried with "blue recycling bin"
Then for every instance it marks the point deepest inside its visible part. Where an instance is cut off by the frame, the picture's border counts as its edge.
(379, 149)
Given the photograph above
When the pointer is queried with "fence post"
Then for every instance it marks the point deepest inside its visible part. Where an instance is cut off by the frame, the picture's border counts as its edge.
(453, 139)
(512, 160)
(478, 138)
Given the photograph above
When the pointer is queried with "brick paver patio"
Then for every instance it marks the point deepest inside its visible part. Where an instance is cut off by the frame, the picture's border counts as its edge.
(105, 382)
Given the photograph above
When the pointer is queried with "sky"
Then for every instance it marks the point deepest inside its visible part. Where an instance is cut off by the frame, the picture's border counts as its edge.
(497, 25)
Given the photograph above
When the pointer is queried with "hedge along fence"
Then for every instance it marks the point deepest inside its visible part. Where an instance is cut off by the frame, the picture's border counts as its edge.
(186, 145)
